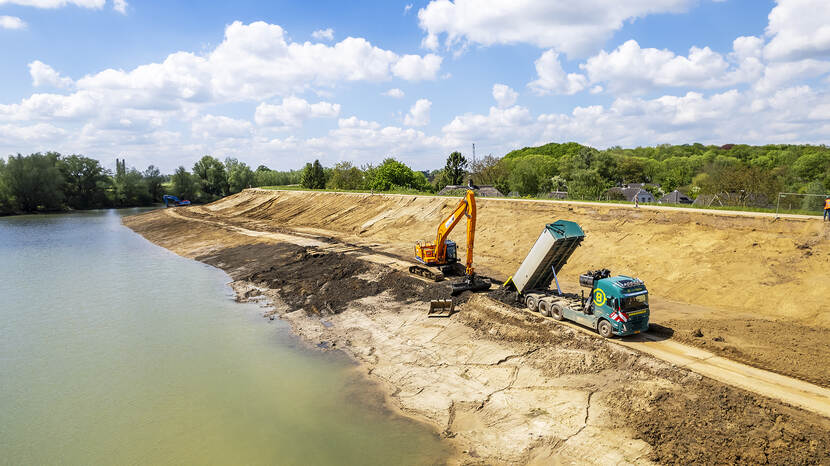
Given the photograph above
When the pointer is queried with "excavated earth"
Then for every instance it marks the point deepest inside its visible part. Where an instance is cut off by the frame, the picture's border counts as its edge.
(755, 286)
(502, 385)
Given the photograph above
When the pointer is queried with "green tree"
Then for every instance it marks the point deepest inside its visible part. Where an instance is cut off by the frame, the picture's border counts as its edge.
(5, 200)
(240, 175)
(346, 176)
(313, 176)
(33, 182)
(455, 168)
(587, 184)
(812, 166)
(392, 174)
(184, 185)
(155, 183)
(212, 175)
(85, 182)
(524, 178)
(129, 187)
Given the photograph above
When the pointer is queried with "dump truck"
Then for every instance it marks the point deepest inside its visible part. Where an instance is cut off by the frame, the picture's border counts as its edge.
(616, 305)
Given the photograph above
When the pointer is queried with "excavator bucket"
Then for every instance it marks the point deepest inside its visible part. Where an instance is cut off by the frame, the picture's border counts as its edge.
(441, 308)
(470, 283)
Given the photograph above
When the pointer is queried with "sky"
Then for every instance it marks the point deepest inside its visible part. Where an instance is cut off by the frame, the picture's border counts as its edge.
(281, 83)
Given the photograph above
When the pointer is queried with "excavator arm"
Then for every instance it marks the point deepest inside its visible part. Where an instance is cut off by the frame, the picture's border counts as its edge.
(465, 208)
(436, 253)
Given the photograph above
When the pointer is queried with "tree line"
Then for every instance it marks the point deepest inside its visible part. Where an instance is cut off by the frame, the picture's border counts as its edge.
(754, 174)
(53, 182)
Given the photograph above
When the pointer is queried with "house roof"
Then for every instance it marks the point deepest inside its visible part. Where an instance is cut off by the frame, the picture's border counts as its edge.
(676, 197)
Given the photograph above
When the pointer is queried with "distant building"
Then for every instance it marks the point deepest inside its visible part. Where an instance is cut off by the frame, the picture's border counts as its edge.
(675, 197)
(630, 194)
(481, 190)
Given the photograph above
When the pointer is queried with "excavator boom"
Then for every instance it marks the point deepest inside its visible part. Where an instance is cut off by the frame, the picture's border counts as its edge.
(436, 253)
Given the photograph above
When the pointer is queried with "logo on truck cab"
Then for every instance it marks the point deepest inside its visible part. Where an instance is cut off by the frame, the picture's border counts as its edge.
(599, 297)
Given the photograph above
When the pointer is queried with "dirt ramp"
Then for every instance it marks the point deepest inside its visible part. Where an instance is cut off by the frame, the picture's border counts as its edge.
(759, 266)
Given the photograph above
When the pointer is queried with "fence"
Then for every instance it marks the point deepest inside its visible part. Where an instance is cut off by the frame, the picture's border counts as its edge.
(810, 204)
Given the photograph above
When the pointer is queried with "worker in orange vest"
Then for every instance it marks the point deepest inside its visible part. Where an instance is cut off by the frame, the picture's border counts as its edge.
(827, 208)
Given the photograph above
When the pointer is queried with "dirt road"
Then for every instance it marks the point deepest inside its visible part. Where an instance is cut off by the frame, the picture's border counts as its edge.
(503, 385)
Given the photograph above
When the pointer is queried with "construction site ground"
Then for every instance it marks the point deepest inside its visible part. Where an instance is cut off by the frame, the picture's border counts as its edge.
(505, 385)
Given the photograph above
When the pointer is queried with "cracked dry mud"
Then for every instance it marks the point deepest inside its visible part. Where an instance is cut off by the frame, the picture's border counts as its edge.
(502, 385)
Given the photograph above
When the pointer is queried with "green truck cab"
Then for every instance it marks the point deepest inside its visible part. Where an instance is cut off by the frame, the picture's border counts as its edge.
(618, 305)
(615, 306)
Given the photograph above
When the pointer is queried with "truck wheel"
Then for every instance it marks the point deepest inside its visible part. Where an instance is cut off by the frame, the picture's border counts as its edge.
(604, 329)
(544, 307)
(531, 303)
(556, 311)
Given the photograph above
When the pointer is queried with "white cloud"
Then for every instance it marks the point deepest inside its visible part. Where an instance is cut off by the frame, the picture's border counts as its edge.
(501, 127)
(407, 8)
(293, 111)
(43, 75)
(417, 68)
(213, 126)
(419, 113)
(12, 22)
(504, 95)
(120, 6)
(394, 92)
(798, 29)
(95, 4)
(553, 79)
(255, 62)
(781, 74)
(575, 28)
(358, 140)
(630, 68)
(323, 34)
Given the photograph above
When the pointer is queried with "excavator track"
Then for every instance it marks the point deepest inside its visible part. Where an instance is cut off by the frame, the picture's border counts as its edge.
(426, 273)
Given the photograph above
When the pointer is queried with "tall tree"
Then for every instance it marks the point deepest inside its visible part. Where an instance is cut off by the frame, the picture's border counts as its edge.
(184, 185)
(214, 178)
(86, 182)
(34, 181)
(313, 177)
(240, 175)
(155, 183)
(455, 168)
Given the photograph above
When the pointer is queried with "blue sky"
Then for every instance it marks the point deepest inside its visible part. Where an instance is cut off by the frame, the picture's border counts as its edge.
(281, 83)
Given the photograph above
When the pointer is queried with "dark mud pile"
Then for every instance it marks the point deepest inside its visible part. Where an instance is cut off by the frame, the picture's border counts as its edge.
(786, 347)
(321, 282)
(704, 422)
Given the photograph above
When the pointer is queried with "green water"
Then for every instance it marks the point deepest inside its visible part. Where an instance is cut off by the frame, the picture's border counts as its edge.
(116, 351)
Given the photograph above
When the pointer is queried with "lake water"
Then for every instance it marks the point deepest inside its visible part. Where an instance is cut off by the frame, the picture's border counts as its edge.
(116, 351)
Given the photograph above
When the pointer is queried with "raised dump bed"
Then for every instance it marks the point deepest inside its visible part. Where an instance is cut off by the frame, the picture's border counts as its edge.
(548, 255)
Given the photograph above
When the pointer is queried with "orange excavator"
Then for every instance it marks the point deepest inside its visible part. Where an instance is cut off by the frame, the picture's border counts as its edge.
(442, 253)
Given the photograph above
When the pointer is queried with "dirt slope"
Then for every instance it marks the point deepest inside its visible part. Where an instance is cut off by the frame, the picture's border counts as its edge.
(754, 285)
(755, 266)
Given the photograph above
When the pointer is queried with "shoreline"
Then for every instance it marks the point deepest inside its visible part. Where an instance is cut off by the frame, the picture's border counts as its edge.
(501, 386)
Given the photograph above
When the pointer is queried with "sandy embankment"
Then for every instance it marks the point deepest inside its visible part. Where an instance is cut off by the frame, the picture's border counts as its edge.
(756, 286)
(504, 386)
